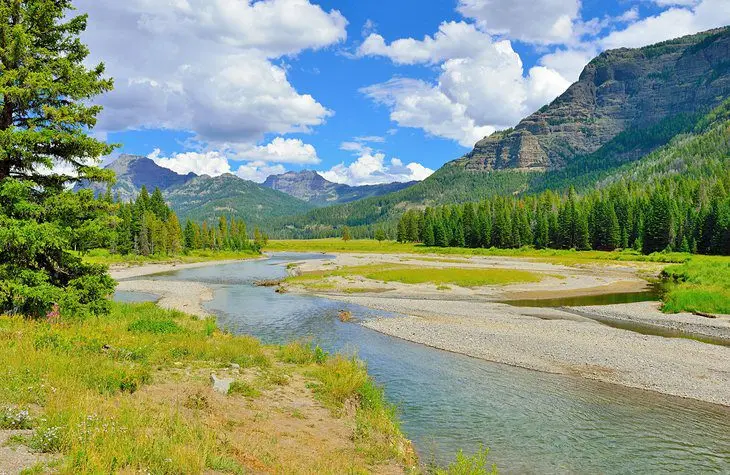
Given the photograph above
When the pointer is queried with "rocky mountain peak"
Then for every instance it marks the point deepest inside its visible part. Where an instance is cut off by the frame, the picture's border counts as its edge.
(619, 89)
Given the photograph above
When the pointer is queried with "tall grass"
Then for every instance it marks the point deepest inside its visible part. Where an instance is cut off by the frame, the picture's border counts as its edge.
(90, 391)
(701, 284)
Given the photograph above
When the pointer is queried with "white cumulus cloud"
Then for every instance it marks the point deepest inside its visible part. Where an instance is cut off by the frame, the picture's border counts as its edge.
(531, 21)
(684, 18)
(281, 150)
(206, 66)
(482, 85)
(200, 163)
(372, 169)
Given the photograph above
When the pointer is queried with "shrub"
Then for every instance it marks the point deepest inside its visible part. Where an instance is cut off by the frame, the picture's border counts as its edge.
(46, 440)
(476, 464)
(14, 419)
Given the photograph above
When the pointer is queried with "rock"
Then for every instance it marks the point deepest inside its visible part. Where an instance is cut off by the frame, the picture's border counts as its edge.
(221, 385)
(619, 90)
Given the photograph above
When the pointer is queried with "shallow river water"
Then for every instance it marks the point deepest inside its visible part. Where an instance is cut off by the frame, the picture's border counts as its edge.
(532, 422)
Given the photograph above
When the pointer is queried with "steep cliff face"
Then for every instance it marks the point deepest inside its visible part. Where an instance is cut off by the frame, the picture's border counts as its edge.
(619, 90)
(311, 187)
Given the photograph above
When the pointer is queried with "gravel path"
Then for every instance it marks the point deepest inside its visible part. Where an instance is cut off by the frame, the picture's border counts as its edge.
(557, 342)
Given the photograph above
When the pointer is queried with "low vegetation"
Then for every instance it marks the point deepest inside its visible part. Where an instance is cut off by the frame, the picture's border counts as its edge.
(99, 393)
(697, 283)
(391, 247)
(702, 284)
(405, 274)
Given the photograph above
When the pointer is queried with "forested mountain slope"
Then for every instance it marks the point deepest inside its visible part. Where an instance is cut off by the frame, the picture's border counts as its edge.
(676, 198)
(627, 103)
(208, 198)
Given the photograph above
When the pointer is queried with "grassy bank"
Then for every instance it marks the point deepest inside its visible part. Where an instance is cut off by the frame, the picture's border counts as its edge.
(702, 284)
(131, 392)
(103, 256)
(405, 274)
(392, 247)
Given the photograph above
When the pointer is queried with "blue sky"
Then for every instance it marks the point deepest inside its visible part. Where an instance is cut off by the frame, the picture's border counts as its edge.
(362, 91)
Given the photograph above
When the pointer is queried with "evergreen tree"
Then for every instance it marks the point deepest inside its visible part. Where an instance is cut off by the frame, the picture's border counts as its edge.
(46, 92)
(157, 205)
(658, 224)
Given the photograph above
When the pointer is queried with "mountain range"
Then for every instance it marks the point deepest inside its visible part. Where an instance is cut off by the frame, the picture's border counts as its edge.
(310, 186)
(626, 104)
(207, 198)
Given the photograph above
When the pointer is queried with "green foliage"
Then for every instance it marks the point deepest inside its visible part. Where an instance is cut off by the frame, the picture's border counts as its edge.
(46, 112)
(702, 284)
(476, 464)
(242, 388)
(157, 326)
(37, 273)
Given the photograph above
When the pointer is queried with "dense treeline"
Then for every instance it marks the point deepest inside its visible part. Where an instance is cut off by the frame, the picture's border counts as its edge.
(147, 226)
(682, 215)
(694, 146)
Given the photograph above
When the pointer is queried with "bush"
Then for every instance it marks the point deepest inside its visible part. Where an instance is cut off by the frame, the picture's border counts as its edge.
(302, 353)
(14, 419)
(476, 464)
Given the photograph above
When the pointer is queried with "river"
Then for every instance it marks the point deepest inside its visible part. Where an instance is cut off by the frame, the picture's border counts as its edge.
(532, 422)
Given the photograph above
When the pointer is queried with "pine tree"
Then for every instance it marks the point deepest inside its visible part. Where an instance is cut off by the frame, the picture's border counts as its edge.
(380, 234)
(402, 230)
(157, 205)
(189, 235)
(658, 224)
(346, 234)
(542, 232)
(46, 93)
(174, 234)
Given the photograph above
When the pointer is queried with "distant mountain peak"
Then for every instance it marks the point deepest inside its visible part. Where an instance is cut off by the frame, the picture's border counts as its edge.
(310, 186)
(135, 171)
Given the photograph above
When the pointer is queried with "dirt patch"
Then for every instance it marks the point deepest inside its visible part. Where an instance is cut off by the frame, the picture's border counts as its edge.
(15, 458)
(284, 429)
